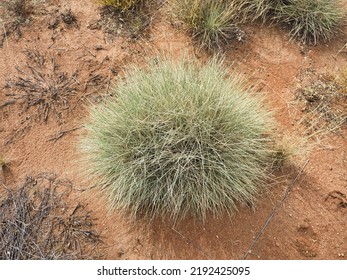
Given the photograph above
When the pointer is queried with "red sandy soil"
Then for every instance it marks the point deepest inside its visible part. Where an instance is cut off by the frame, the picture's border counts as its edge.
(311, 223)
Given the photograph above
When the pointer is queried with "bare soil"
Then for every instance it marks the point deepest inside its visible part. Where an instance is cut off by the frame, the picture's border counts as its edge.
(310, 224)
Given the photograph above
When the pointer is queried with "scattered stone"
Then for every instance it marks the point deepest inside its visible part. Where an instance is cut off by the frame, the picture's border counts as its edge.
(304, 226)
(99, 48)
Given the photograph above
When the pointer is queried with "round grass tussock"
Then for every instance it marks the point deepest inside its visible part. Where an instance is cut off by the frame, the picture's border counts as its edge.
(212, 23)
(179, 139)
(310, 21)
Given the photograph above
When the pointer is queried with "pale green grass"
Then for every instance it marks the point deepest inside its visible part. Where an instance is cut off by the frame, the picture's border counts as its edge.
(179, 139)
(212, 23)
(311, 21)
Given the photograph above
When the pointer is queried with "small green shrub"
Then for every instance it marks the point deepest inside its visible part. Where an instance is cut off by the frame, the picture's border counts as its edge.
(179, 139)
(120, 4)
(211, 22)
(310, 21)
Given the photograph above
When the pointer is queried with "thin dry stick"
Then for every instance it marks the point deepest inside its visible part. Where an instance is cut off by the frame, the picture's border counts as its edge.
(109, 75)
(9, 102)
(343, 49)
(274, 211)
(89, 51)
(61, 133)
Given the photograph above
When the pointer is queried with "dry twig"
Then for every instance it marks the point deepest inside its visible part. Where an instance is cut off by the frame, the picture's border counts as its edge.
(6, 103)
(61, 133)
(273, 212)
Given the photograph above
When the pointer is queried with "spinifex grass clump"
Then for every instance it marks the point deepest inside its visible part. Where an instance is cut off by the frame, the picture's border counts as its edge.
(211, 22)
(179, 140)
(120, 4)
(310, 20)
(251, 10)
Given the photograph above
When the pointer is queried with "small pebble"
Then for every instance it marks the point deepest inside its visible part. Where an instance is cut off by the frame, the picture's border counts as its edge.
(99, 47)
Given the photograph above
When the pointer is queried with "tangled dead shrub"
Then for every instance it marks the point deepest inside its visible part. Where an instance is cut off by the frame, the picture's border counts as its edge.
(40, 84)
(36, 222)
(179, 140)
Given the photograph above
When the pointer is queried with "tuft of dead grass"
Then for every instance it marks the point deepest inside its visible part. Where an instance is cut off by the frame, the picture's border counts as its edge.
(68, 17)
(40, 84)
(13, 15)
(325, 102)
(36, 222)
(130, 19)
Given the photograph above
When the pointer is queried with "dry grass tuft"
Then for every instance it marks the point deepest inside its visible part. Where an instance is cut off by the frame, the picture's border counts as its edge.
(36, 223)
(40, 84)
(122, 5)
(130, 21)
(13, 15)
(325, 100)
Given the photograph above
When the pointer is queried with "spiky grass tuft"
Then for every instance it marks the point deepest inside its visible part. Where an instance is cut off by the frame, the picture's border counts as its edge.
(211, 22)
(252, 10)
(122, 5)
(179, 139)
(310, 21)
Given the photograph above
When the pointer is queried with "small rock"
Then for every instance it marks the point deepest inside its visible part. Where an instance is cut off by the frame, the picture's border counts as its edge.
(120, 253)
(304, 226)
(99, 48)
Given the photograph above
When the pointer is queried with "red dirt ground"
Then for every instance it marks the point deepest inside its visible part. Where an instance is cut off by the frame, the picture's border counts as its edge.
(311, 224)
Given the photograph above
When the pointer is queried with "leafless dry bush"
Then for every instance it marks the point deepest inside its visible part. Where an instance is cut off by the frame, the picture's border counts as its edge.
(37, 223)
(40, 83)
